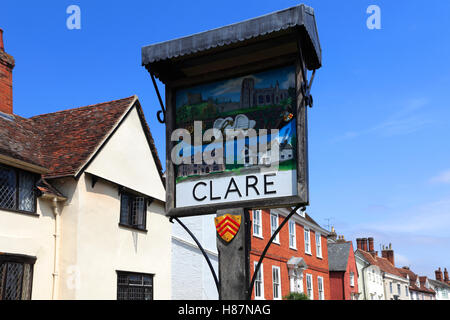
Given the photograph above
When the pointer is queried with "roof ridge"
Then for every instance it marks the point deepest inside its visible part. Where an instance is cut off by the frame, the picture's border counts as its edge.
(79, 108)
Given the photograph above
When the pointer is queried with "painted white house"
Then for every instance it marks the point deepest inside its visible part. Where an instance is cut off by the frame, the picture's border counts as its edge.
(191, 276)
(81, 203)
(370, 279)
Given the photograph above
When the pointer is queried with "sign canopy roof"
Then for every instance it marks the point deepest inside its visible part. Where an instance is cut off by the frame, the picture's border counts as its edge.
(292, 25)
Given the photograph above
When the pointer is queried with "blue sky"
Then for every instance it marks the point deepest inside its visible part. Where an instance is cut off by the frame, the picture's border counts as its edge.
(379, 130)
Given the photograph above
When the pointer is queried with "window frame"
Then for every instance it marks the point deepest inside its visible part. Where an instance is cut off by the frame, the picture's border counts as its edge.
(272, 229)
(20, 259)
(310, 276)
(261, 281)
(307, 231)
(260, 225)
(292, 234)
(352, 279)
(279, 282)
(17, 173)
(128, 273)
(318, 236)
(320, 283)
(132, 195)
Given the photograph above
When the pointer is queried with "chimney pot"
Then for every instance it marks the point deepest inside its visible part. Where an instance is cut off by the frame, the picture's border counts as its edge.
(2, 47)
(6, 67)
(370, 240)
(446, 275)
(364, 244)
(438, 274)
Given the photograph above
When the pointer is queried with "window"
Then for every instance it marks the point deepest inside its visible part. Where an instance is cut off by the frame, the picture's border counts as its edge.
(398, 289)
(17, 190)
(307, 241)
(276, 283)
(134, 286)
(16, 274)
(320, 288)
(257, 225)
(259, 282)
(133, 211)
(406, 291)
(318, 245)
(352, 279)
(292, 237)
(274, 226)
(390, 287)
(309, 286)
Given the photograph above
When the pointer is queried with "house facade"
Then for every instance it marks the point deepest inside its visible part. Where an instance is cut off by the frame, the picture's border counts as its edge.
(297, 260)
(441, 285)
(81, 203)
(419, 287)
(395, 287)
(191, 276)
(343, 270)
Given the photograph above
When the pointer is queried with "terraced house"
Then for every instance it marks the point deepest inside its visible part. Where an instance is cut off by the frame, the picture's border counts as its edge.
(297, 261)
(81, 202)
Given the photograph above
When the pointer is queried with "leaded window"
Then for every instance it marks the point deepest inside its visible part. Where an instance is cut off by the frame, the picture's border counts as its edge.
(134, 286)
(16, 274)
(133, 211)
(17, 190)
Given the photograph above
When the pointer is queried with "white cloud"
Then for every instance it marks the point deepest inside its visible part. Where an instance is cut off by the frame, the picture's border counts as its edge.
(443, 177)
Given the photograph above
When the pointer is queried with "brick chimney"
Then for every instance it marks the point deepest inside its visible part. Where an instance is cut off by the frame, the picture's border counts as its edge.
(370, 240)
(438, 274)
(388, 253)
(364, 244)
(446, 276)
(6, 67)
(358, 243)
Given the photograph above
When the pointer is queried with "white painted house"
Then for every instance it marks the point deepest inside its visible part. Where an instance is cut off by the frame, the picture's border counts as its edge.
(191, 276)
(81, 203)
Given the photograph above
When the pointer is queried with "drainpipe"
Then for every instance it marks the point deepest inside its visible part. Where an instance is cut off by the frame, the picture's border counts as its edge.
(364, 281)
(56, 212)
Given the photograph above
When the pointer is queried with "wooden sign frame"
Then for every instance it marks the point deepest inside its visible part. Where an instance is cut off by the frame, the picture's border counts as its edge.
(292, 46)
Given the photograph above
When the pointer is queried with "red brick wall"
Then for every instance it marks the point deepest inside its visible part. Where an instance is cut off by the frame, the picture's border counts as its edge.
(5, 89)
(340, 281)
(351, 267)
(279, 254)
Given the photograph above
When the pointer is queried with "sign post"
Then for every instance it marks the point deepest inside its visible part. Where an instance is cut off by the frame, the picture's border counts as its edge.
(235, 111)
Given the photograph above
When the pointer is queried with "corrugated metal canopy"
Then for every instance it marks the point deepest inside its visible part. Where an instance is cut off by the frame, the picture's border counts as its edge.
(296, 18)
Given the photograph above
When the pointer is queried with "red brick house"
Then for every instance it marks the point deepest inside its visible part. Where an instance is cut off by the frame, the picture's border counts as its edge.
(343, 270)
(297, 261)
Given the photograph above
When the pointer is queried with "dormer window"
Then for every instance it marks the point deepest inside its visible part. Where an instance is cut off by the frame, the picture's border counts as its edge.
(17, 190)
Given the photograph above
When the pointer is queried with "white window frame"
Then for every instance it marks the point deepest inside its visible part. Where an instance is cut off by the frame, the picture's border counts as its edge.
(307, 231)
(320, 283)
(259, 224)
(318, 237)
(292, 235)
(261, 280)
(311, 297)
(352, 279)
(274, 228)
(278, 292)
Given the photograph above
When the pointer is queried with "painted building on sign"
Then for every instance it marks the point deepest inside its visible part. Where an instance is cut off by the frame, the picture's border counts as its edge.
(81, 203)
(297, 261)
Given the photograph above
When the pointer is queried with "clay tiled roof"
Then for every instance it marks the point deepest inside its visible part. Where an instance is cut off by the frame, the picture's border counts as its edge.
(64, 141)
(412, 280)
(383, 263)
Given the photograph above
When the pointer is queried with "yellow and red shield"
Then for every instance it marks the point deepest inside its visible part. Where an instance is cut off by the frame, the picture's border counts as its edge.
(227, 226)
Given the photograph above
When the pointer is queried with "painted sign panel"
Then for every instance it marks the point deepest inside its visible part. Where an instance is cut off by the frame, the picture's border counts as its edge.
(244, 144)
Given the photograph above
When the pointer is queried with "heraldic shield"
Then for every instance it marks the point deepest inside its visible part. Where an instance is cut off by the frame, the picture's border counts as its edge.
(227, 226)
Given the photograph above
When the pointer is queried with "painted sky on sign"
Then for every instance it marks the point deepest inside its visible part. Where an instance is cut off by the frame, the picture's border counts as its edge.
(379, 130)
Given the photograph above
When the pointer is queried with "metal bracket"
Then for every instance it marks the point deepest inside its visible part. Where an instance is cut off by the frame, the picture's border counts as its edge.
(263, 255)
(163, 109)
(216, 280)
